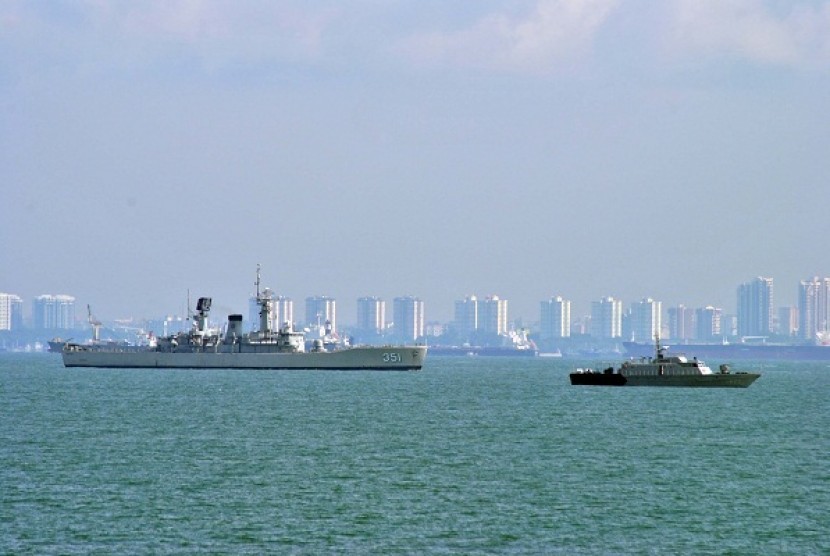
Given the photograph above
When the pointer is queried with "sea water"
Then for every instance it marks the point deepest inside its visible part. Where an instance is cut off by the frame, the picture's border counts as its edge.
(468, 456)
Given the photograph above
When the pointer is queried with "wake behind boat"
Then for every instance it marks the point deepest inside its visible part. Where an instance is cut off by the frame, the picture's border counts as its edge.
(663, 370)
(205, 348)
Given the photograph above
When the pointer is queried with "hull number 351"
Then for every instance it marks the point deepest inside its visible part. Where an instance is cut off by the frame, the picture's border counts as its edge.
(391, 357)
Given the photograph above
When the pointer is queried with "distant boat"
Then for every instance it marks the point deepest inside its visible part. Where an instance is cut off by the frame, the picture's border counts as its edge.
(663, 370)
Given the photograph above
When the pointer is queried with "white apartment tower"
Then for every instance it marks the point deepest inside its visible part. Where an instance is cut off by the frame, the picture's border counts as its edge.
(11, 312)
(755, 307)
(371, 315)
(493, 315)
(813, 307)
(53, 312)
(646, 320)
(606, 318)
(681, 323)
(466, 315)
(708, 323)
(283, 308)
(555, 319)
(408, 318)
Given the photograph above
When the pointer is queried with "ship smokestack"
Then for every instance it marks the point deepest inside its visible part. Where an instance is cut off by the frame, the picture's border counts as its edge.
(234, 331)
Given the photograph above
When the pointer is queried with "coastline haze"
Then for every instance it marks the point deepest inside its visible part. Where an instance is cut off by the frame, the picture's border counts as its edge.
(145, 153)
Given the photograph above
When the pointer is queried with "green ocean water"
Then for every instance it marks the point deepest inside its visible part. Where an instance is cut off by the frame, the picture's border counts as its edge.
(468, 456)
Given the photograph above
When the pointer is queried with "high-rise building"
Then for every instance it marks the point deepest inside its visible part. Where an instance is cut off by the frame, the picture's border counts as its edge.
(408, 318)
(11, 312)
(646, 320)
(283, 308)
(606, 318)
(371, 315)
(51, 312)
(813, 307)
(708, 323)
(555, 319)
(755, 307)
(319, 310)
(466, 316)
(493, 315)
(681, 323)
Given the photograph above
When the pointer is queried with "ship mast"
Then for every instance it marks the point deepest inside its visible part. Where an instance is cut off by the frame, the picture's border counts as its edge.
(258, 267)
(264, 302)
(657, 347)
(95, 324)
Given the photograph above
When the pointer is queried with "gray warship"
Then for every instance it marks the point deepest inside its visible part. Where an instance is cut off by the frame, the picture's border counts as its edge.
(664, 370)
(204, 348)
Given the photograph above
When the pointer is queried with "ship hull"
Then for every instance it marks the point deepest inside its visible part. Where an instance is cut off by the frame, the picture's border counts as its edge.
(597, 379)
(358, 358)
(731, 380)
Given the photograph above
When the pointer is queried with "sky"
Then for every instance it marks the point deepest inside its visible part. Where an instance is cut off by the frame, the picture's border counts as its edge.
(524, 149)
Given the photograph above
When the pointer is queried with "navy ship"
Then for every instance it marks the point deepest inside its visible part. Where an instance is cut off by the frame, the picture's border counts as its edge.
(663, 370)
(205, 348)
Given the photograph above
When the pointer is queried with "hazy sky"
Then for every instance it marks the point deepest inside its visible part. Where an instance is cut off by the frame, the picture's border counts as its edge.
(526, 149)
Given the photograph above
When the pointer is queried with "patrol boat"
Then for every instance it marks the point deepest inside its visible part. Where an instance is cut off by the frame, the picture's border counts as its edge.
(206, 348)
(663, 370)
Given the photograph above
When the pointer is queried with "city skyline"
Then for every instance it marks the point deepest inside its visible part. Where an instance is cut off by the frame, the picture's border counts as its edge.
(523, 148)
(490, 313)
(581, 307)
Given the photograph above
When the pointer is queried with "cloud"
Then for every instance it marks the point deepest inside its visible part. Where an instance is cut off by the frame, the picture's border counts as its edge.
(553, 33)
(123, 34)
(206, 20)
(258, 38)
(750, 30)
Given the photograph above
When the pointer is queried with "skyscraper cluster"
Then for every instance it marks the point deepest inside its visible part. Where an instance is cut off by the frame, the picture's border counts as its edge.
(49, 312)
(477, 318)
